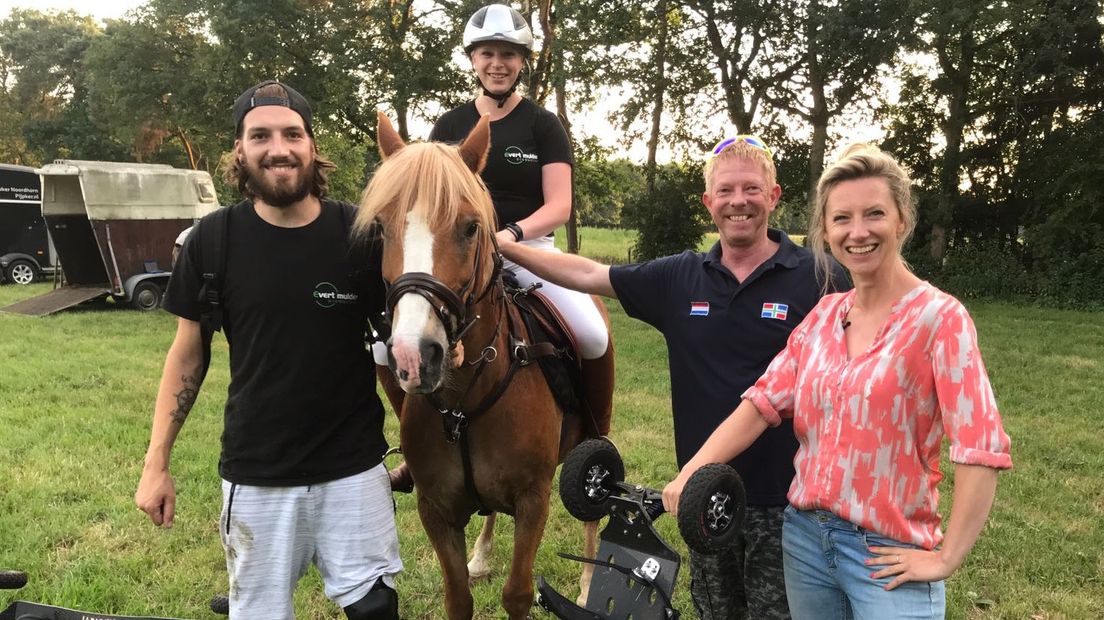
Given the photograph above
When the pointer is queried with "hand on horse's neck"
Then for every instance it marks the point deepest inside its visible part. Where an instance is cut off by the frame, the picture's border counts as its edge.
(486, 105)
(292, 216)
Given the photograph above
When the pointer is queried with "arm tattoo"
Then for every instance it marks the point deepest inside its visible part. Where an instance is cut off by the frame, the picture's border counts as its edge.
(185, 398)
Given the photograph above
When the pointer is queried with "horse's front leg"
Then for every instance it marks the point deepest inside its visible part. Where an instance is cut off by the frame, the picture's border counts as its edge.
(479, 566)
(447, 537)
(531, 513)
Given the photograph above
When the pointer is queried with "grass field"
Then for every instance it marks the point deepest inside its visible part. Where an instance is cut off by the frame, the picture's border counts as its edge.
(77, 389)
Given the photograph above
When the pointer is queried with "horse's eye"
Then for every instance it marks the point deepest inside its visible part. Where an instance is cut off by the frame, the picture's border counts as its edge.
(472, 229)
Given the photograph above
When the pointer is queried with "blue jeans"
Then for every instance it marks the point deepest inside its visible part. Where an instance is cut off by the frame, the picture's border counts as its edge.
(826, 579)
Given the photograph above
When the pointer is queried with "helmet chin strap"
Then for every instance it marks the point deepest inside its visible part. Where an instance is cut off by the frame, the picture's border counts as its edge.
(501, 99)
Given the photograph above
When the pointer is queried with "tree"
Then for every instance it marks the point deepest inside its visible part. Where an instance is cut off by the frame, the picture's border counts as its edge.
(148, 82)
(844, 46)
(43, 64)
(968, 39)
(751, 47)
(670, 218)
(603, 186)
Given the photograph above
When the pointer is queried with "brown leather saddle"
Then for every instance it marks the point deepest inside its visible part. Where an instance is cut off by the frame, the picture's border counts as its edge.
(549, 341)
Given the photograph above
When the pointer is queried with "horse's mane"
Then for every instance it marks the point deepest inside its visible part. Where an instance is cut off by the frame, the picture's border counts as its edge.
(431, 180)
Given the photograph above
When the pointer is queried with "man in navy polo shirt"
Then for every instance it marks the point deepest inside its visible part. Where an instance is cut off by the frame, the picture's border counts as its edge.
(724, 315)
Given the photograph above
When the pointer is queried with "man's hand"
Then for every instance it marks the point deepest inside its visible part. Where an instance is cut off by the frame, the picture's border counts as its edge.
(156, 496)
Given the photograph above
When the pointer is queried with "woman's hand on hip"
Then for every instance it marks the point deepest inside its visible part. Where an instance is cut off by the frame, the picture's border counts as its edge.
(907, 564)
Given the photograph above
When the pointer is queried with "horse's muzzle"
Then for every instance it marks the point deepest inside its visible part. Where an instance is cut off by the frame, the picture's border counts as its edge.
(422, 372)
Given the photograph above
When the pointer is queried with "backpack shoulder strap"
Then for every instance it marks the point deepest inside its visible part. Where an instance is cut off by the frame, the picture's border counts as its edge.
(348, 215)
(213, 236)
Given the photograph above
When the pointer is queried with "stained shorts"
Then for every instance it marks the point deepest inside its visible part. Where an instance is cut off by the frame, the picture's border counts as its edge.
(272, 535)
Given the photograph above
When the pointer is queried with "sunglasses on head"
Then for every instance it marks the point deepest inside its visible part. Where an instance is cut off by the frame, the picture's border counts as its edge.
(745, 138)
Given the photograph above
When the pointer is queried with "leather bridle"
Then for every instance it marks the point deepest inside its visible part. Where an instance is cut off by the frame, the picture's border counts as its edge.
(453, 308)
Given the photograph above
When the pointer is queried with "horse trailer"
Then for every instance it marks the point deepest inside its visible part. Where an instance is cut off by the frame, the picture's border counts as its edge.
(113, 226)
(26, 253)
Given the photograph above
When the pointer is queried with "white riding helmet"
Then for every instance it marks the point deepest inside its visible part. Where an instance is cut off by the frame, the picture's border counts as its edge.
(497, 22)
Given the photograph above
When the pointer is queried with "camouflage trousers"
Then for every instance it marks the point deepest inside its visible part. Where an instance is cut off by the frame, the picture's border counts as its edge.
(746, 581)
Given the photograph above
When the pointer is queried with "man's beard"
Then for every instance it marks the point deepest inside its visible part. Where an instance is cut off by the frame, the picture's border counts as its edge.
(284, 192)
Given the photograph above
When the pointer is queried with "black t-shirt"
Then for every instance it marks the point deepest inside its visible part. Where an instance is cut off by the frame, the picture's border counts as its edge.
(302, 406)
(522, 142)
(721, 335)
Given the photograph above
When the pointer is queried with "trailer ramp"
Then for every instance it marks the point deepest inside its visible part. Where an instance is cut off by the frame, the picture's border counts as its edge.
(55, 300)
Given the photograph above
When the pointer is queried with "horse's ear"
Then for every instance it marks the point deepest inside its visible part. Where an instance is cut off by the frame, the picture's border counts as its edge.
(474, 148)
(388, 139)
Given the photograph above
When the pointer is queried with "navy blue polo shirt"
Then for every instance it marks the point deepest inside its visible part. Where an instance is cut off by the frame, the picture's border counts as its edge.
(721, 335)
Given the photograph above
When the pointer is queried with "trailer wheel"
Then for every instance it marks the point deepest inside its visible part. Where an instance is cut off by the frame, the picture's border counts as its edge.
(589, 476)
(711, 509)
(21, 271)
(146, 296)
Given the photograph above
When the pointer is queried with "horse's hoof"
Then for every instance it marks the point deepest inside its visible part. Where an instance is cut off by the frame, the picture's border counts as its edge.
(401, 479)
(475, 577)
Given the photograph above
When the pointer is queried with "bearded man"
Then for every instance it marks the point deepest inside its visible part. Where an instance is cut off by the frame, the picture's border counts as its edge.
(302, 446)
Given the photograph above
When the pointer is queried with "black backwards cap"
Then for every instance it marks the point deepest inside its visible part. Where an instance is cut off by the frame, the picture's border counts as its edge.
(247, 101)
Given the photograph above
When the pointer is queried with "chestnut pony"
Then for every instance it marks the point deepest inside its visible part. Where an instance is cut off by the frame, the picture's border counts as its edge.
(480, 431)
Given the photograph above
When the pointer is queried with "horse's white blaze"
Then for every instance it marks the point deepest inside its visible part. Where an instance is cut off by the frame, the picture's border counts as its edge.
(413, 311)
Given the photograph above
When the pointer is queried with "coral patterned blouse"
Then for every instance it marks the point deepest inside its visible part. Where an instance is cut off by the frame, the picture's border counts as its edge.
(870, 428)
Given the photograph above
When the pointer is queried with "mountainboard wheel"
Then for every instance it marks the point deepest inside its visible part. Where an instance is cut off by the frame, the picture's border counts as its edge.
(711, 508)
(589, 476)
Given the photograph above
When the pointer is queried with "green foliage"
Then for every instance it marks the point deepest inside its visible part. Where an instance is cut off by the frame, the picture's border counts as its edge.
(602, 188)
(791, 162)
(348, 180)
(43, 90)
(671, 218)
(148, 86)
(985, 269)
(1070, 264)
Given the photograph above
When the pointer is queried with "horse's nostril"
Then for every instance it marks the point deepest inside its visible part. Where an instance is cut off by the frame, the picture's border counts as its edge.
(404, 375)
(433, 354)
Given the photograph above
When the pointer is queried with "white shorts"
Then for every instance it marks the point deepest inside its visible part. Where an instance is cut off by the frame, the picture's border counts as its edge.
(272, 535)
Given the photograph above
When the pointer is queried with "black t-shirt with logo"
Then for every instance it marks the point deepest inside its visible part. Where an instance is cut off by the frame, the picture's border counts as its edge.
(526, 139)
(302, 406)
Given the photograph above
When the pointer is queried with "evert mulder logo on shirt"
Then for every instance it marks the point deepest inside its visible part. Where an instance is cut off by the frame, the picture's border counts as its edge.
(326, 295)
(514, 155)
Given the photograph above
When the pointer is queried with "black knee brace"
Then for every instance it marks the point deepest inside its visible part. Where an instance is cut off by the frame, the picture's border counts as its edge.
(381, 603)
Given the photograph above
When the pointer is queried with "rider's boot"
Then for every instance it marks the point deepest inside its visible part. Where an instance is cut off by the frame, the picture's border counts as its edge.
(598, 392)
(401, 479)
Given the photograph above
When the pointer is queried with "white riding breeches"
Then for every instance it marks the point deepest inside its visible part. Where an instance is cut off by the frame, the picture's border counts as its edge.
(577, 308)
